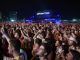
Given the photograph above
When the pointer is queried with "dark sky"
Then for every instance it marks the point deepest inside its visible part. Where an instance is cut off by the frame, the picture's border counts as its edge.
(67, 8)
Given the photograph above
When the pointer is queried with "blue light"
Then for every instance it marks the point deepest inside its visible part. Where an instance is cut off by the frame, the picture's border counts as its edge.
(29, 21)
(58, 22)
(46, 12)
(46, 19)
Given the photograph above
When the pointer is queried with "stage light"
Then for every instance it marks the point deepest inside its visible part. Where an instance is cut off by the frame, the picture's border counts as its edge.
(46, 19)
(65, 20)
(27, 20)
(58, 22)
(40, 13)
(12, 20)
(46, 12)
(74, 20)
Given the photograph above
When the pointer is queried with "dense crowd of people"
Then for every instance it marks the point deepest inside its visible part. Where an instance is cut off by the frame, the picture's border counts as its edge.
(39, 41)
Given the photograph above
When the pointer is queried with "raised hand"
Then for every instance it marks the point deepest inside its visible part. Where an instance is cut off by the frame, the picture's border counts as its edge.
(2, 30)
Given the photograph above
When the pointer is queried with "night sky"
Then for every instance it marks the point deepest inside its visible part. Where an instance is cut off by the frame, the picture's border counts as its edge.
(26, 8)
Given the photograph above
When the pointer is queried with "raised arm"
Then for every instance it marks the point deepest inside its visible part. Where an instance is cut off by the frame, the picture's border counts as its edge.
(5, 35)
(37, 34)
(25, 35)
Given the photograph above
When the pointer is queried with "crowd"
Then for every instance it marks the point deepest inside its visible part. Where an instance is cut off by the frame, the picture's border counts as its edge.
(39, 41)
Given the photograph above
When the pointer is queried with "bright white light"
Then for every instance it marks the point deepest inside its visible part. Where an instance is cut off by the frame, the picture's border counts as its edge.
(46, 12)
(40, 13)
(43, 13)
(65, 20)
(12, 20)
(74, 20)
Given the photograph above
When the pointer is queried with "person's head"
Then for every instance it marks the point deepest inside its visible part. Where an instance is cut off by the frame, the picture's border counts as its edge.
(38, 41)
(71, 41)
(17, 34)
(58, 43)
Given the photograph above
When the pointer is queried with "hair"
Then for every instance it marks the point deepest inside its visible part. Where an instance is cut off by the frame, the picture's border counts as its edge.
(76, 55)
(16, 44)
(19, 32)
(6, 30)
(38, 41)
(65, 48)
